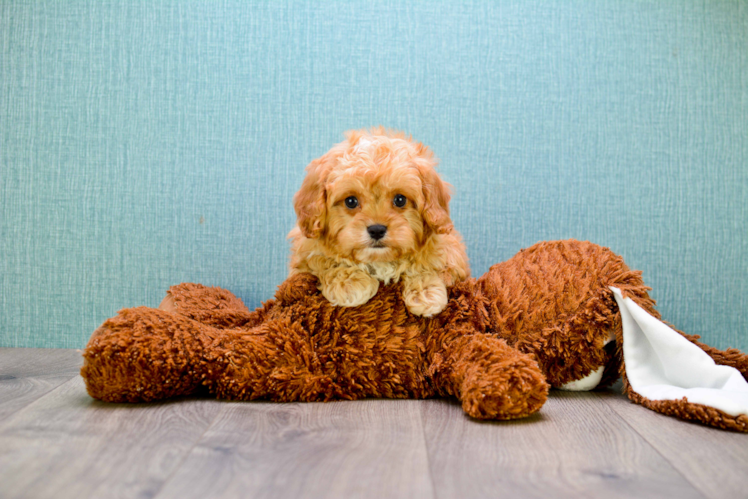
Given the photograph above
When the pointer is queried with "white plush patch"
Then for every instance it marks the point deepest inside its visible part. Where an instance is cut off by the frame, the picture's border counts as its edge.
(585, 384)
(662, 365)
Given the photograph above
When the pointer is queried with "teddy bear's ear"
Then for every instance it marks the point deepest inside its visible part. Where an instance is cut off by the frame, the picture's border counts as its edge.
(309, 202)
(436, 197)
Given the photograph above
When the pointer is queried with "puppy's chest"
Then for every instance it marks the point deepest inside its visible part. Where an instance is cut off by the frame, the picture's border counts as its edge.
(386, 272)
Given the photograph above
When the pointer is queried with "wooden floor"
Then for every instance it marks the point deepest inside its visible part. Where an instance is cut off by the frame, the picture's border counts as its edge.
(55, 441)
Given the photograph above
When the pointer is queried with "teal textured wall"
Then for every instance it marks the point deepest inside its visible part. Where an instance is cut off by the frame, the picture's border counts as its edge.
(147, 143)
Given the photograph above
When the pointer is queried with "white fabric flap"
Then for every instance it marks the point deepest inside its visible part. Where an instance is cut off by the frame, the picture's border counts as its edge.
(662, 365)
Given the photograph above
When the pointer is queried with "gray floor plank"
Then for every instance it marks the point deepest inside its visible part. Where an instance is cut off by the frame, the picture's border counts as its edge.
(66, 444)
(55, 441)
(370, 448)
(575, 447)
(18, 393)
(27, 374)
(27, 362)
(715, 461)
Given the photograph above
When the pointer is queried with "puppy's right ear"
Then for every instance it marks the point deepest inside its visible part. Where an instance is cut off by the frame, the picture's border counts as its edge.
(309, 201)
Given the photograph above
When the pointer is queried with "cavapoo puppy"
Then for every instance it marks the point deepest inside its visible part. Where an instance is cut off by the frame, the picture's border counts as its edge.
(371, 210)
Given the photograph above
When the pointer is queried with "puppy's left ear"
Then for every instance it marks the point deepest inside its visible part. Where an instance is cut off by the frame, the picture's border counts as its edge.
(436, 197)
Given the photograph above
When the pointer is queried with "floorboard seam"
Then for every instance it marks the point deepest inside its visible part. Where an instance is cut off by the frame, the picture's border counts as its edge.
(187, 454)
(8, 417)
(426, 447)
(674, 466)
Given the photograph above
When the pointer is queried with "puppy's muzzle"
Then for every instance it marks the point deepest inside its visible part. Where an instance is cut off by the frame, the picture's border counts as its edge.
(377, 231)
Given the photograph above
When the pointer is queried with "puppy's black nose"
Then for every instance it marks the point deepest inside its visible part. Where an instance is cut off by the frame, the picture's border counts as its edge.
(377, 231)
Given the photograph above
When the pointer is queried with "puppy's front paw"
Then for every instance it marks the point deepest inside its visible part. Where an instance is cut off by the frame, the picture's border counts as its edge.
(348, 287)
(425, 296)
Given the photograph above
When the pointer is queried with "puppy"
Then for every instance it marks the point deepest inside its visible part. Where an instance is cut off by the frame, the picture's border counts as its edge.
(371, 210)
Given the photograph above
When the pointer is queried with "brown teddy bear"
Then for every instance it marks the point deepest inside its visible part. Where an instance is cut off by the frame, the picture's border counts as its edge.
(544, 318)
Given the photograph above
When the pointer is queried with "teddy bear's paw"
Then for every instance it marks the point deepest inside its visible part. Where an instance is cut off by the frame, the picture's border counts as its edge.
(425, 296)
(516, 390)
(348, 287)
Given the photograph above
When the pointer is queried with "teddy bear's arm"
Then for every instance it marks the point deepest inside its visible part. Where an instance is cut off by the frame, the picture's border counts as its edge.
(490, 378)
(146, 354)
(211, 306)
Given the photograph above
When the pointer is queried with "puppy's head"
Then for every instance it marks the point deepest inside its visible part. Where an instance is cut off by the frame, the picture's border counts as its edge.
(375, 197)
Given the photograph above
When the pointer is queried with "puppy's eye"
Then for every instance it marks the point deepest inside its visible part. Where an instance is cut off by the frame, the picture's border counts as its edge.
(351, 202)
(399, 200)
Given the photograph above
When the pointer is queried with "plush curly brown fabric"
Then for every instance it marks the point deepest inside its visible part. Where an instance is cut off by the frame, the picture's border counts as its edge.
(541, 318)
(298, 347)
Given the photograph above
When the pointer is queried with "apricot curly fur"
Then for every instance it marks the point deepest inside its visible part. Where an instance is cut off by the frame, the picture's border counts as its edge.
(539, 319)
(351, 190)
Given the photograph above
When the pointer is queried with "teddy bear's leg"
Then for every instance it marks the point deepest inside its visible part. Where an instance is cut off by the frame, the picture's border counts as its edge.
(490, 378)
(145, 354)
(548, 301)
(553, 301)
(209, 305)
